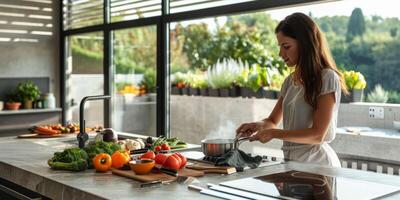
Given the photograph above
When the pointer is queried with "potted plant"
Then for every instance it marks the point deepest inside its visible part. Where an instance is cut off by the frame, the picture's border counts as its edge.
(356, 83)
(194, 81)
(203, 86)
(28, 92)
(255, 84)
(222, 75)
(251, 83)
(149, 81)
(178, 82)
(378, 95)
(12, 102)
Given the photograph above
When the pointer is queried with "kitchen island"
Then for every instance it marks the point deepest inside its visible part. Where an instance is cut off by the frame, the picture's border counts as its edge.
(24, 162)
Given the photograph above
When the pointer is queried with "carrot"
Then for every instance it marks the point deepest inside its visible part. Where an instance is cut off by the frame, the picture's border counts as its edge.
(45, 131)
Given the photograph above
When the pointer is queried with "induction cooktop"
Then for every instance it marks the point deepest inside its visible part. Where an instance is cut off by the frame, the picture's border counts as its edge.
(303, 185)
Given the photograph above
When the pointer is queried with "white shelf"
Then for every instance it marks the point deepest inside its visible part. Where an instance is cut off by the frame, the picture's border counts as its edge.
(28, 111)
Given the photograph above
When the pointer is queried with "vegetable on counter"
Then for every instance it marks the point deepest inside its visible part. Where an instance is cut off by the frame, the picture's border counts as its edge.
(173, 161)
(162, 143)
(106, 135)
(109, 135)
(132, 144)
(101, 147)
(119, 159)
(53, 129)
(73, 159)
(102, 162)
(148, 155)
(160, 158)
(42, 130)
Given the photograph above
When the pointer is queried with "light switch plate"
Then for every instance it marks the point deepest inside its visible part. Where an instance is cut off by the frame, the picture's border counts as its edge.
(376, 112)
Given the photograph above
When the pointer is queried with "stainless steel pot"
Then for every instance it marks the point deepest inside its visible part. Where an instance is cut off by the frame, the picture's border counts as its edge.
(218, 147)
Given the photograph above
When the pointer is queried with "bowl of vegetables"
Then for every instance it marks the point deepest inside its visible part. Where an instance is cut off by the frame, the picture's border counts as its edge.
(143, 166)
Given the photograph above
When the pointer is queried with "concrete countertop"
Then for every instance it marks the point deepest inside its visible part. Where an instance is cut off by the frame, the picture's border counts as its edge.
(367, 131)
(364, 142)
(24, 162)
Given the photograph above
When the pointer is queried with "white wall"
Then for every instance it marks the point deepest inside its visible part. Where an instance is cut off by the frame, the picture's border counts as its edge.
(27, 59)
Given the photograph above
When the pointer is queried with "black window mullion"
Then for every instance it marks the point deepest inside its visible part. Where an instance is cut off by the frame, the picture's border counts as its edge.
(107, 64)
(163, 126)
(63, 67)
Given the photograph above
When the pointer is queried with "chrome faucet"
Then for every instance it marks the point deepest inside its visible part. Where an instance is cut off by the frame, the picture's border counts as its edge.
(83, 136)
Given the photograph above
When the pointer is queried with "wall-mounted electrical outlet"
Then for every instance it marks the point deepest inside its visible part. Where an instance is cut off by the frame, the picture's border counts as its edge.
(376, 112)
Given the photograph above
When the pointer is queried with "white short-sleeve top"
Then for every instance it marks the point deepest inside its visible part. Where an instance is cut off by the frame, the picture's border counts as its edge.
(298, 114)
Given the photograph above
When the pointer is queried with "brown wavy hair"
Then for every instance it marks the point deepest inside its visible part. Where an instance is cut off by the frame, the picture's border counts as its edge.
(314, 54)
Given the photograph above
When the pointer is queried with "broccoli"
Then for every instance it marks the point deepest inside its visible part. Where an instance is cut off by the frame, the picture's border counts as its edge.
(74, 159)
(100, 147)
(79, 165)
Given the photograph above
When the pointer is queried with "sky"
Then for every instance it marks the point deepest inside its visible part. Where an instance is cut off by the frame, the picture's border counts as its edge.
(383, 8)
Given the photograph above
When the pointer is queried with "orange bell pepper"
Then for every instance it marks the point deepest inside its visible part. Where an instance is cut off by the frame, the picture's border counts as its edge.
(119, 159)
(102, 162)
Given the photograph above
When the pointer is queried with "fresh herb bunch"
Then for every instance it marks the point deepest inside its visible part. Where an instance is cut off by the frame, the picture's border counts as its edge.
(27, 91)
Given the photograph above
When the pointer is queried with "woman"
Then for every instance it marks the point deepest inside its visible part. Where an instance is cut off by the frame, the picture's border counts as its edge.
(309, 98)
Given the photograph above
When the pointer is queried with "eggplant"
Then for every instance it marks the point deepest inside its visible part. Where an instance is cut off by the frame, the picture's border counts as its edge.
(109, 135)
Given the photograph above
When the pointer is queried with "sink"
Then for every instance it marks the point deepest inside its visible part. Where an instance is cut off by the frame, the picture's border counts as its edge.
(62, 142)
(72, 141)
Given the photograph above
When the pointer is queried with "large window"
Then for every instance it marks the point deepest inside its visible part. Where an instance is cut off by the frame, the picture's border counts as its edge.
(85, 77)
(228, 60)
(134, 82)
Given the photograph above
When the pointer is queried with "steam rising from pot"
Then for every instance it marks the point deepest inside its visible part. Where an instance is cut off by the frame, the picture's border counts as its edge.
(225, 131)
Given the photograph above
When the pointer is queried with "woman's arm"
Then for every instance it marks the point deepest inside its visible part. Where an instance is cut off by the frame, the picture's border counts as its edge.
(314, 135)
(271, 122)
(275, 116)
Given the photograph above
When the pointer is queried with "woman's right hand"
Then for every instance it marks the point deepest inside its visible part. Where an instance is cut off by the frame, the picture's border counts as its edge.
(247, 129)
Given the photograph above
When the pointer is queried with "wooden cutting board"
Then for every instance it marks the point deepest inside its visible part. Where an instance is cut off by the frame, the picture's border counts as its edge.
(36, 135)
(209, 168)
(156, 176)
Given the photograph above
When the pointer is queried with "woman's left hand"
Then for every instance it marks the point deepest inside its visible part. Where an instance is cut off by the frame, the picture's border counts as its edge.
(263, 136)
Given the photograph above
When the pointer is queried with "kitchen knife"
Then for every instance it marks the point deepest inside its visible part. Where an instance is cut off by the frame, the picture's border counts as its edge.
(155, 183)
(180, 180)
(170, 172)
(138, 151)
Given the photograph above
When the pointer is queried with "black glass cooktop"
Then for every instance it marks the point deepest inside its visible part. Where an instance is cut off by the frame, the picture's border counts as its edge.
(303, 185)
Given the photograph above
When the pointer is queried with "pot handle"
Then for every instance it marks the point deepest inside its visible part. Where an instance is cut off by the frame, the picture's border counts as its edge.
(237, 141)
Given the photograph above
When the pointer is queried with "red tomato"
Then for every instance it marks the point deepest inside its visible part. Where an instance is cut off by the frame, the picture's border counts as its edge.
(177, 158)
(165, 146)
(160, 158)
(183, 159)
(157, 148)
(148, 155)
(171, 163)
